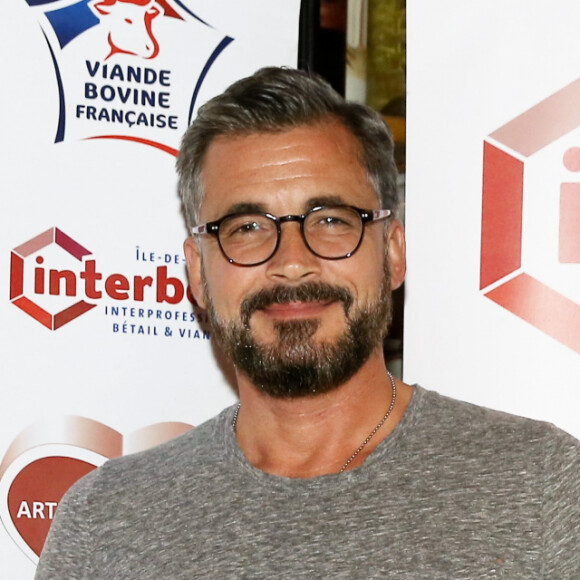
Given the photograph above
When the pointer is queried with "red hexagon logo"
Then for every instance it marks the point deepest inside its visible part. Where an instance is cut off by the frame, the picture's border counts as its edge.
(506, 156)
(19, 254)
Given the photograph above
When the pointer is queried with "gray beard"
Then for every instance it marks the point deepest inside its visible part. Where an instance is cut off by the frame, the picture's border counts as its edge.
(294, 366)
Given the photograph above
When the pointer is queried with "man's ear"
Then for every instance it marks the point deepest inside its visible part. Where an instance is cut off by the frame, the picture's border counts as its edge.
(193, 259)
(396, 253)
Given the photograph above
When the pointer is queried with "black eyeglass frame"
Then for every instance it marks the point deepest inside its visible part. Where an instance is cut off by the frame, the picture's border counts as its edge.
(366, 216)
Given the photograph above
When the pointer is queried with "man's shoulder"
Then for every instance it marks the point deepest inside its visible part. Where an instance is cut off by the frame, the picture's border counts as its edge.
(460, 421)
(192, 453)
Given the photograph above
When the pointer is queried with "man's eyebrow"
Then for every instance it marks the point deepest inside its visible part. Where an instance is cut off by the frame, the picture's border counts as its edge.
(326, 200)
(254, 207)
(246, 207)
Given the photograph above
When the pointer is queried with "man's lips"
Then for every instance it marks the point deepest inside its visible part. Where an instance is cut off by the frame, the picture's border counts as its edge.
(296, 310)
(294, 302)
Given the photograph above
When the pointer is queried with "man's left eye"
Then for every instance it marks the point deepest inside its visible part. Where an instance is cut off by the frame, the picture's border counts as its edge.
(332, 221)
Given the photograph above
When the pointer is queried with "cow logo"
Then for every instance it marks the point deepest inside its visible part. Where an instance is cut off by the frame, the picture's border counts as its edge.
(130, 70)
(130, 27)
(530, 240)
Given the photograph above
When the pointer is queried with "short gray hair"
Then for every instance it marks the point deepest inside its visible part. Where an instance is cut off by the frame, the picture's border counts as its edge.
(277, 99)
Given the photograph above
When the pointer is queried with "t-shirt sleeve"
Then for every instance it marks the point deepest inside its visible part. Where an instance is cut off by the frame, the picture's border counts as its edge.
(561, 508)
(67, 550)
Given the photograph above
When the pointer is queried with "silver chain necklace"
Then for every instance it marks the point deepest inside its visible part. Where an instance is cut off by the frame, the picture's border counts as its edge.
(370, 435)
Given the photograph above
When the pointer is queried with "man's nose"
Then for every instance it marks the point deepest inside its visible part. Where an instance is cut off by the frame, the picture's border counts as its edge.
(293, 261)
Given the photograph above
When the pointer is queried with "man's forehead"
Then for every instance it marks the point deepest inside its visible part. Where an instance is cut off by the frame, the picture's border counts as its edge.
(319, 140)
(255, 169)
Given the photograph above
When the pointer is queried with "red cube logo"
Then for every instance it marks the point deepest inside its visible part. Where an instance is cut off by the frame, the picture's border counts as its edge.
(19, 255)
(507, 156)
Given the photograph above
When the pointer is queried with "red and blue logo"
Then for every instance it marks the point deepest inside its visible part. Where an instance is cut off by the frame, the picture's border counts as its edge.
(127, 69)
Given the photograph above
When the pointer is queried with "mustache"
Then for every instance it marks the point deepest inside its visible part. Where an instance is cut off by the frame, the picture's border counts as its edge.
(308, 292)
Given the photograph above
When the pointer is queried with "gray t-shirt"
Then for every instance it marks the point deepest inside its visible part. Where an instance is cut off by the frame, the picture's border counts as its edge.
(455, 492)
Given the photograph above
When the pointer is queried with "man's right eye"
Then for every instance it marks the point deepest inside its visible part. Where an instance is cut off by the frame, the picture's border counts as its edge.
(245, 228)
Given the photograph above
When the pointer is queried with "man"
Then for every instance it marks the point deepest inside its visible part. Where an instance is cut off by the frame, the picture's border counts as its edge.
(328, 467)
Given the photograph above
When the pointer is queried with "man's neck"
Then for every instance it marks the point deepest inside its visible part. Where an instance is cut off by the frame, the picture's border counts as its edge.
(311, 436)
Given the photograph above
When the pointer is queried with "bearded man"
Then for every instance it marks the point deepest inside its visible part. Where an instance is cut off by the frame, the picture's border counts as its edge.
(328, 467)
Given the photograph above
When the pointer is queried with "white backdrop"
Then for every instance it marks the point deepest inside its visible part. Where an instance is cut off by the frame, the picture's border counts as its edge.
(99, 342)
(493, 311)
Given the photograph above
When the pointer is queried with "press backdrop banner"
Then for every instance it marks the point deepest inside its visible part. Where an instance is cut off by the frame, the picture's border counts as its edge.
(493, 204)
(102, 353)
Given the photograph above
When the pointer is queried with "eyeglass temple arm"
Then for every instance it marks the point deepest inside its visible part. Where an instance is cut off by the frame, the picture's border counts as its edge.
(380, 214)
(209, 228)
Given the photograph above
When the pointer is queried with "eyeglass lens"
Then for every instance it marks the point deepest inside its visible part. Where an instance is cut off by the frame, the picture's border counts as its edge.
(332, 232)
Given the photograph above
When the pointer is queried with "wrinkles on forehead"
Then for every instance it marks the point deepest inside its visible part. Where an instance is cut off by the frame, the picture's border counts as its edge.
(291, 172)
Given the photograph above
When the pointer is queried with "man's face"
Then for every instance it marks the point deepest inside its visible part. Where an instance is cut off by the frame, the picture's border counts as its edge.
(297, 324)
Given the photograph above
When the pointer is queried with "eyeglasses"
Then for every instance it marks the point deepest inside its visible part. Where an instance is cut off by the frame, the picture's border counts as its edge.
(250, 239)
